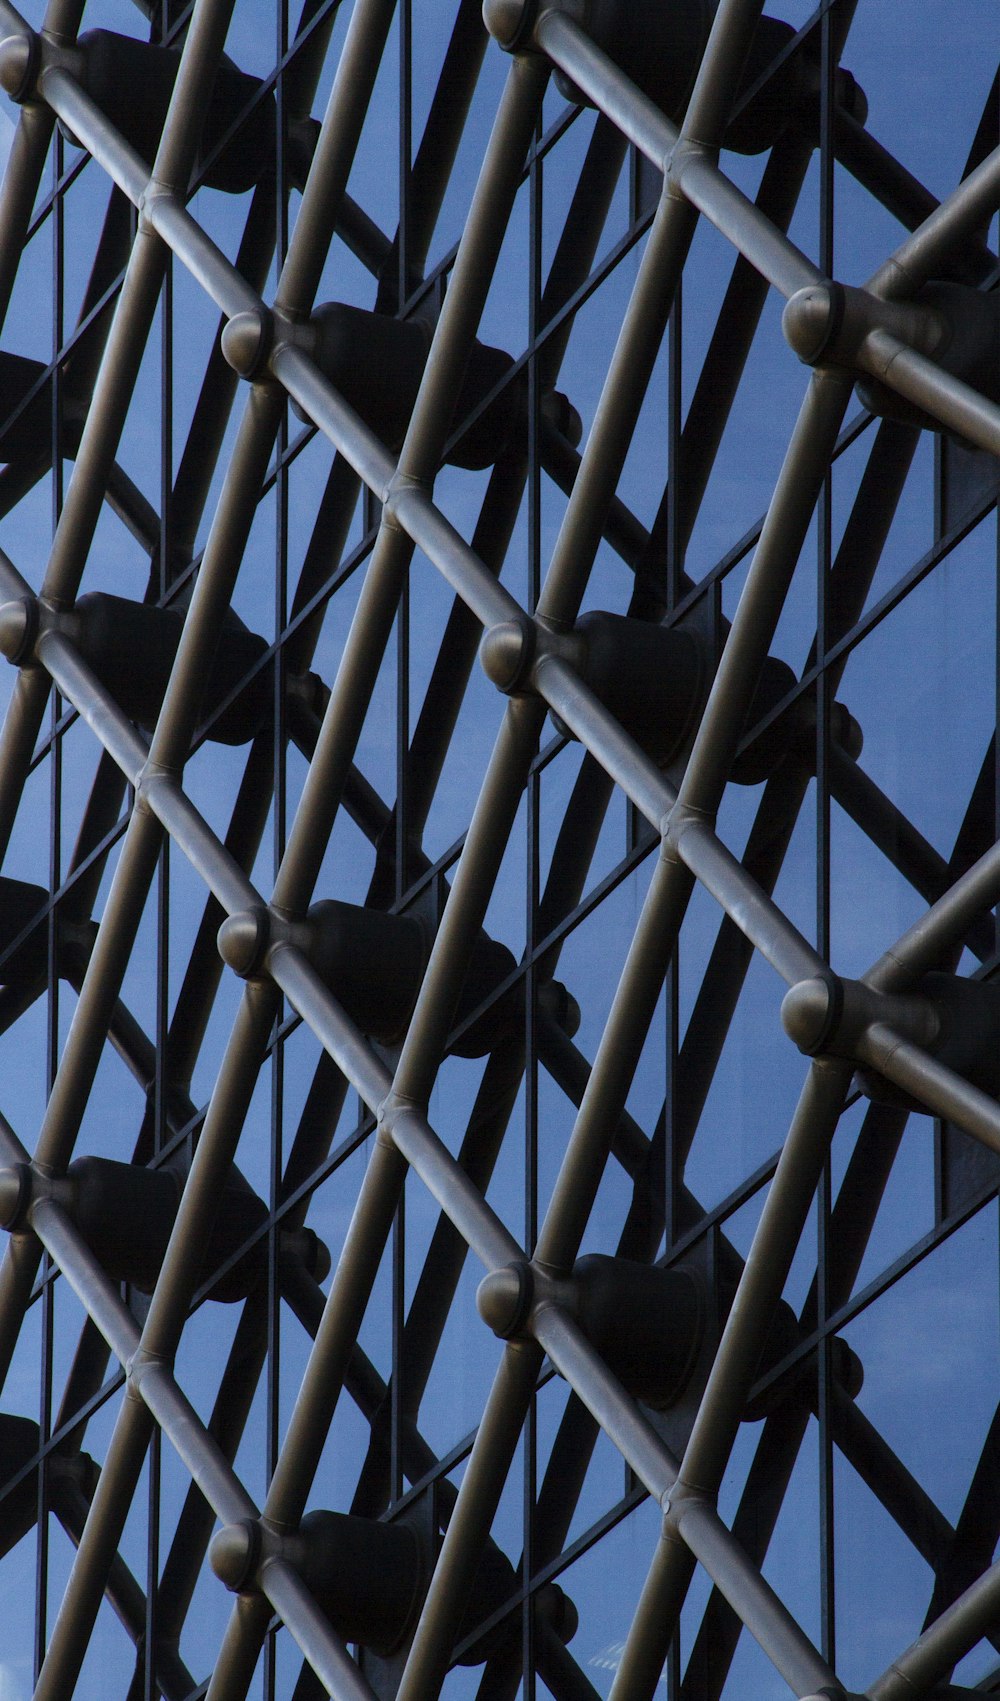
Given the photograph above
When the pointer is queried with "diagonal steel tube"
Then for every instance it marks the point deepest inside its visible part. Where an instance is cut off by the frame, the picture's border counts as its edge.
(170, 740)
(722, 1404)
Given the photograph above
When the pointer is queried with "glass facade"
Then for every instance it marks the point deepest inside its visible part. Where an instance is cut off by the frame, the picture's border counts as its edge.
(499, 1044)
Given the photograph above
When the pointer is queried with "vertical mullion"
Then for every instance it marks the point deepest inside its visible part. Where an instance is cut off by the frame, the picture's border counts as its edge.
(397, 1401)
(672, 1158)
(536, 187)
(48, 1299)
(824, 555)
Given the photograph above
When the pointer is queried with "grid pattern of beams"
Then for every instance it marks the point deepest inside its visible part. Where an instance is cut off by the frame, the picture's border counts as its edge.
(283, 1036)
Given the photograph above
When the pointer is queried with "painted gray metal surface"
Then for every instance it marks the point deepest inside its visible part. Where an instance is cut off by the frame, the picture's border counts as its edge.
(531, 652)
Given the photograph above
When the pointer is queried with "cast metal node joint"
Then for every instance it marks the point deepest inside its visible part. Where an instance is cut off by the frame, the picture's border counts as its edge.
(19, 624)
(394, 1106)
(677, 1500)
(835, 324)
(398, 488)
(681, 819)
(684, 150)
(507, 653)
(17, 1190)
(153, 775)
(154, 193)
(19, 60)
(811, 1012)
(236, 1554)
(138, 1367)
(25, 1185)
(505, 1298)
(247, 341)
(244, 940)
(511, 23)
(834, 1015)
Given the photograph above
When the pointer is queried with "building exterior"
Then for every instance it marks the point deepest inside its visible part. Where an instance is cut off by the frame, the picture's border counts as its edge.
(499, 1043)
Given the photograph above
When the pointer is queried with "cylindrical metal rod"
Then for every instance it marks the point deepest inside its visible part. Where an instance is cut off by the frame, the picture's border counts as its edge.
(17, 743)
(756, 914)
(213, 1157)
(765, 1616)
(239, 1652)
(102, 1303)
(207, 264)
(22, 175)
(956, 405)
(932, 1083)
(485, 841)
(734, 215)
(482, 1484)
(319, 1643)
(475, 1220)
(435, 157)
(213, 408)
(126, 1599)
(209, 1470)
(316, 1401)
(788, 1200)
(74, 533)
(724, 1400)
(614, 1065)
(156, 1345)
(943, 925)
(625, 387)
(640, 1668)
(162, 792)
(930, 1659)
(597, 729)
(432, 736)
(425, 437)
(75, 108)
(98, 1546)
(732, 339)
(697, 175)
(324, 405)
(446, 1255)
(205, 967)
(719, 72)
(602, 1394)
(350, 94)
(105, 971)
(233, 1401)
(334, 1029)
(631, 112)
(94, 704)
(78, 520)
(902, 194)
(788, 517)
(969, 206)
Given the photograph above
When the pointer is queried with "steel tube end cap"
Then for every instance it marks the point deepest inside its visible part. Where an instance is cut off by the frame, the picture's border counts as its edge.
(509, 22)
(246, 342)
(18, 628)
(810, 1012)
(243, 940)
(18, 56)
(812, 319)
(15, 1191)
(507, 652)
(235, 1554)
(504, 1299)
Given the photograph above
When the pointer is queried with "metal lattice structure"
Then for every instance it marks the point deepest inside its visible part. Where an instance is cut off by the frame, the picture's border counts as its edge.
(632, 967)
